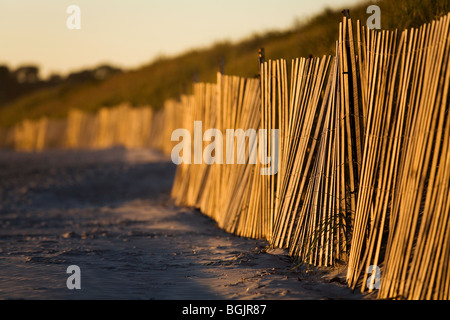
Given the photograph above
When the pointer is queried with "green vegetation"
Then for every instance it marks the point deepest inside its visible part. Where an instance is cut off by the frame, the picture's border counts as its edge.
(167, 77)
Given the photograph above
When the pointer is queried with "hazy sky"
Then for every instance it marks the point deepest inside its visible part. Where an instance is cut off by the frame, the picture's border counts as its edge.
(129, 33)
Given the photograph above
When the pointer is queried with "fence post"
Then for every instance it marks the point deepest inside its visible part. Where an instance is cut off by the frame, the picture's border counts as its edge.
(261, 58)
(346, 13)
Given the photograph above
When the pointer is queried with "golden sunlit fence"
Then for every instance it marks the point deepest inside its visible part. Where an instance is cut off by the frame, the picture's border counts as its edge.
(402, 217)
(308, 204)
(223, 189)
(363, 160)
(361, 151)
(119, 126)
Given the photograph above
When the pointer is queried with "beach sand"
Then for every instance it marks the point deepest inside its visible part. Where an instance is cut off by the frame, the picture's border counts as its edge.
(109, 212)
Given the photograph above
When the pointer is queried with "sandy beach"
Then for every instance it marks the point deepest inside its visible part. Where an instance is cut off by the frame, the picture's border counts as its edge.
(109, 212)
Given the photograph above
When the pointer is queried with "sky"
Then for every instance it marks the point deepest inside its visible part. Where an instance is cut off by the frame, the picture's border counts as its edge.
(130, 33)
